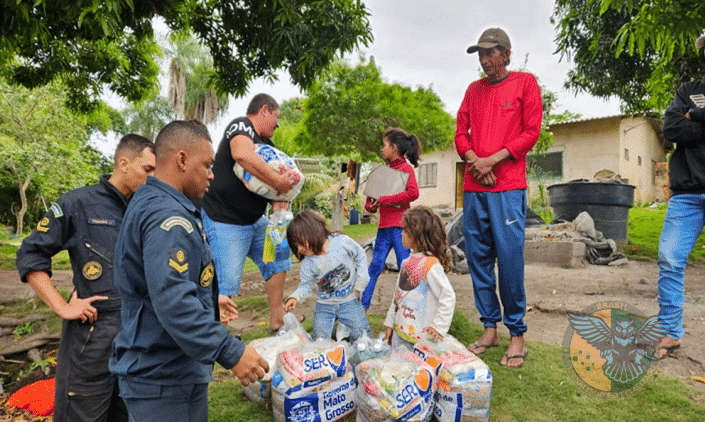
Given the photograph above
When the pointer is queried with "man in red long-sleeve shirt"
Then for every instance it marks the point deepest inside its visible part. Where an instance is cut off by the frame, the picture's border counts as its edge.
(498, 123)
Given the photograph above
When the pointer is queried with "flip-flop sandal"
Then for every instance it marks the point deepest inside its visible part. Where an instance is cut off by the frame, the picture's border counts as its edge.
(485, 346)
(522, 357)
(669, 351)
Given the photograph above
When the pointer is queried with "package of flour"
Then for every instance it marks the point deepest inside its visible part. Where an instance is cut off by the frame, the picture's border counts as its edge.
(464, 382)
(399, 387)
(278, 161)
(330, 401)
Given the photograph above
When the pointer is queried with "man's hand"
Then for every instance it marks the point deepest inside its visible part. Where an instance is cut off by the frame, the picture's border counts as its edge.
(80, 308)
(280, 206)
(488, 180)
(285, 181)
(696, 114)
(481, 167)
(290, 304)
(228, 309)
(250, 367)
(388, 335)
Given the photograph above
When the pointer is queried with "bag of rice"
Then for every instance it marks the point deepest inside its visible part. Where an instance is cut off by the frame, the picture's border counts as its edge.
(399, 387)
(464, 381)
(281, 163)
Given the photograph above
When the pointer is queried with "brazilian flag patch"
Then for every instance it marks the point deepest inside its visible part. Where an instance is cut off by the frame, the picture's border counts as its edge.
(178, 260)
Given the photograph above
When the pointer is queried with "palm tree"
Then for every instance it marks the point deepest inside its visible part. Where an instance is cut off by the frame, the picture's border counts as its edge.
(189, 72)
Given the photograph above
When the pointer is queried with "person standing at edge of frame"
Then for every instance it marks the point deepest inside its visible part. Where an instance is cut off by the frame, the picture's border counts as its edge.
(85, 222)
(684, 125)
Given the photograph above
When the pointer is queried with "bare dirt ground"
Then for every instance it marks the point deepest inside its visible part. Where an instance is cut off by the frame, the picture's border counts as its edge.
(552, 292)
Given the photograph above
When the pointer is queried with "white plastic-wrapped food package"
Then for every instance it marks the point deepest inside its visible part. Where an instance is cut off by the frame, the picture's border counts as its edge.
(313, 379)
(464, 381)
(331, 401)
(281, 163)
(289, 336)
(399, 387)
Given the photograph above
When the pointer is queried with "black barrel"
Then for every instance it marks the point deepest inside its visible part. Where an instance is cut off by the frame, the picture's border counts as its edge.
(607, 203)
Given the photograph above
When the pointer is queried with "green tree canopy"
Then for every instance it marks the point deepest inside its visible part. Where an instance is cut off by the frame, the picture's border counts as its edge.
(111, 42)
(635, 51)
(43, 146)
(348, 109)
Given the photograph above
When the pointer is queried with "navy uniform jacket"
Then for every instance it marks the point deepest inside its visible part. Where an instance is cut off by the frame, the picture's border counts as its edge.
(85, 222)
(164, 272)
(687, 165)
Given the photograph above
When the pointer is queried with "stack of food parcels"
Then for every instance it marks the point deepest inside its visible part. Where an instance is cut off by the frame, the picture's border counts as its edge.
(288, 337)
(313, 382)
(464, 381)
(281, 163)
(399, 387)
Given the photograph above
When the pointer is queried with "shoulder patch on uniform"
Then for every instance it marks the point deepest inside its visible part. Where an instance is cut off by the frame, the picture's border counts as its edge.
(207, 275)
(178, 260)
(92, 270)
(177, 221)
(43, 226)
(56, 209)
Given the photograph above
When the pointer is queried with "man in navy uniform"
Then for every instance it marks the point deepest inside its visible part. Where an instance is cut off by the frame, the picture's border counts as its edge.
(170, 335)
(86, 222)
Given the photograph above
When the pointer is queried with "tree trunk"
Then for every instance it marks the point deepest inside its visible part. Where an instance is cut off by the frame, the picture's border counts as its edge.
(338, 214)
(23, 199)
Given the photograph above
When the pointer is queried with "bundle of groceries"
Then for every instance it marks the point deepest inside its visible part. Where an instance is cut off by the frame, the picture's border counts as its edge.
(464, 381)
(289, 336)
(313, 382)
(399, 387)
(282, 164)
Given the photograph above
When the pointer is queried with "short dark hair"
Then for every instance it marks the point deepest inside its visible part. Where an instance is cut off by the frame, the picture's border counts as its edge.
(307, 228)
(260, 100)
(178, 135)
(131, 145)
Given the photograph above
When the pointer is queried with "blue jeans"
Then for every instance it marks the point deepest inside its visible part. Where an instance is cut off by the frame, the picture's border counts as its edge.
(685, 218)
(349, 313)
(387, 238)
(172, 403)
(231, 244)
(493, 226)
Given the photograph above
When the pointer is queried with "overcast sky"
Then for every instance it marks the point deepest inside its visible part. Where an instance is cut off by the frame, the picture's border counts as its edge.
(423, 43)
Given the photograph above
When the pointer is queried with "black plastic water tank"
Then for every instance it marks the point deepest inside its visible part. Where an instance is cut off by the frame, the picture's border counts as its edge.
(607, 203)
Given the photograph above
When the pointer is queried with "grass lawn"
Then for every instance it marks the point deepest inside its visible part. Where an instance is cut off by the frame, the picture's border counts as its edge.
(540, 391)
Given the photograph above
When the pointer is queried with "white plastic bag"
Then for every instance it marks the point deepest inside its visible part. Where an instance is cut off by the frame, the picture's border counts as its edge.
(464, 381)
(280, 162)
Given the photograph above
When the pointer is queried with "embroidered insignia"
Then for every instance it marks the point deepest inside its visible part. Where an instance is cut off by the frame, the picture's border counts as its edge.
(43, 225)
(101, 222)
(207, 275)
(177, 260)
(177, 221)
(92, 270)
(698, 100)
(56, 209)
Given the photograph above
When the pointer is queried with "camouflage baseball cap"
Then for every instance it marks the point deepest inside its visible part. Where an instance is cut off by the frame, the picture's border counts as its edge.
(492, 37)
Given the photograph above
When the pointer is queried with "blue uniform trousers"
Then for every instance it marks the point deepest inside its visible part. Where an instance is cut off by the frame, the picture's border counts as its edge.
(493, 226)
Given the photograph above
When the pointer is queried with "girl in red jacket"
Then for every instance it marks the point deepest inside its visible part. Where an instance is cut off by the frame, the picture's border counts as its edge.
(397, 147)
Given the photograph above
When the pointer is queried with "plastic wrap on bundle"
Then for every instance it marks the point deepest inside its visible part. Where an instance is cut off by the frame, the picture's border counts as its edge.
(310, 364)
(289, 336)
(464, 382)
(399, 387)
(330, 401)
(275, 234)
(366, 348)
(281, 163)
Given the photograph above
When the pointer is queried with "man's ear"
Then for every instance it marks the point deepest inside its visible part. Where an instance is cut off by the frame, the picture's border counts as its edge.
(122, 164)
(181, 159)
